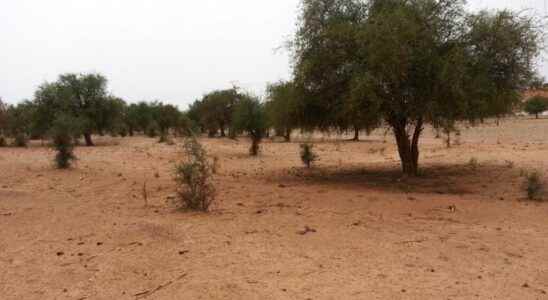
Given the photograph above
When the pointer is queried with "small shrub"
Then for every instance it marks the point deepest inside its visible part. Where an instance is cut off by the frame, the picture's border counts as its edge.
(307, 154)
(62, 133)
(163, 138)
(534, 185)
(194, 177)
(473, 164)
(20, 140)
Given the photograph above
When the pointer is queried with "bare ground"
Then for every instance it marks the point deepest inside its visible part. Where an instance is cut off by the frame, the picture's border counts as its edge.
(457, 232)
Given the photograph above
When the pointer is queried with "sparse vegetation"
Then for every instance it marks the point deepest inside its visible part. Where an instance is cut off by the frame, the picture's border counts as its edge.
(194, 177)
(534, 185)
(63, 130)
(308, 156)
(473, 164)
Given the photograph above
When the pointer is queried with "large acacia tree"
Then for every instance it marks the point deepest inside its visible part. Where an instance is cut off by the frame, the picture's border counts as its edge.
(407, 63)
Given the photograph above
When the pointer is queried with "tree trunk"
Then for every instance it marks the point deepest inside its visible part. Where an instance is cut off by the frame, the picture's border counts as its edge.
(223, 134)
(254, 150)
(536, 115)
(356, 134)
(87, 137)
(130, 131)
(408, 147)
(287, 135)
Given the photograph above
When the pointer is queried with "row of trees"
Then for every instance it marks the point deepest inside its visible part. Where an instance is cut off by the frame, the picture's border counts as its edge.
(84, 100)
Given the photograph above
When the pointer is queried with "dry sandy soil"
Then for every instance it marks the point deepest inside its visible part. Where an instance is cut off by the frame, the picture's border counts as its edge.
(85, 233)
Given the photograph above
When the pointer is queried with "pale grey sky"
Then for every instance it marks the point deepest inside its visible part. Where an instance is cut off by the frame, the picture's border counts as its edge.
(169, 50)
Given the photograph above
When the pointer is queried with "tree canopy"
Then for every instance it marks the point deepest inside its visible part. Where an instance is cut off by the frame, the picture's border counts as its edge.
(282, 108)
(409, 63)
(250, 117)
(536, 105)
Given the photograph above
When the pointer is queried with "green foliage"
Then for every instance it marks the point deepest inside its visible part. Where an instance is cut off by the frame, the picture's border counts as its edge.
(534, 185)
(213, 113)
(282, 108)
(20, 140)
(409, 63)
(152, 129)
(307, 154)
(82, 96)
(20, 119)
(194, 177)
(536, 105)
(250, 117)
(3, 117)
(63, 130)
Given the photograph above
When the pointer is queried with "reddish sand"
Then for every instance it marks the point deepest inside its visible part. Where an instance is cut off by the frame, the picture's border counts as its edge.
(458, 232)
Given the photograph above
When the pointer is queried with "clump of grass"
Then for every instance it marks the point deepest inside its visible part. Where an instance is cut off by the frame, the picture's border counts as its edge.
(20, 140)
(307, 154)
(194, 177)
(473, 164)
(534, 185)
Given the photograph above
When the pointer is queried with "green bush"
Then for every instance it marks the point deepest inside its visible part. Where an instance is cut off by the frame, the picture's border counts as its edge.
(194, 177)
(62, 133)
(307, 154)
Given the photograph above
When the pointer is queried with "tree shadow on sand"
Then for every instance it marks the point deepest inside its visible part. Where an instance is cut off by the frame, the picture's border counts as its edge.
(451, 179)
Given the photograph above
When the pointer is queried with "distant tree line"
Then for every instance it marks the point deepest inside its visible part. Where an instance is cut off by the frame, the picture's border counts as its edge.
(83, 101)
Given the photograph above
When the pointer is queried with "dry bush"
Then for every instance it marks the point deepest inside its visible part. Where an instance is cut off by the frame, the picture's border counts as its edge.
(194, 177)
(534, 185)
(307, 154)
(473, 164)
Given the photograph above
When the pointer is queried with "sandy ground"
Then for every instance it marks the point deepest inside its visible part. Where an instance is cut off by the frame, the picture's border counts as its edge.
(85, 233)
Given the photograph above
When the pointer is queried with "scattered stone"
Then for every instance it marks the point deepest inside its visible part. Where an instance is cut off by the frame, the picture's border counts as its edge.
(525, 285)
(183, 252)
(306, 230)
(60, 253)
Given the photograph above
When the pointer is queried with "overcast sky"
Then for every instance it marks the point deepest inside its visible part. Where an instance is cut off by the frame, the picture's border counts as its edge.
(169, 50)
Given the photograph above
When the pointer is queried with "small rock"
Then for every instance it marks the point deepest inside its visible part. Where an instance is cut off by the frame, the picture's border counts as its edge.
(525, 285)
(60, 253)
